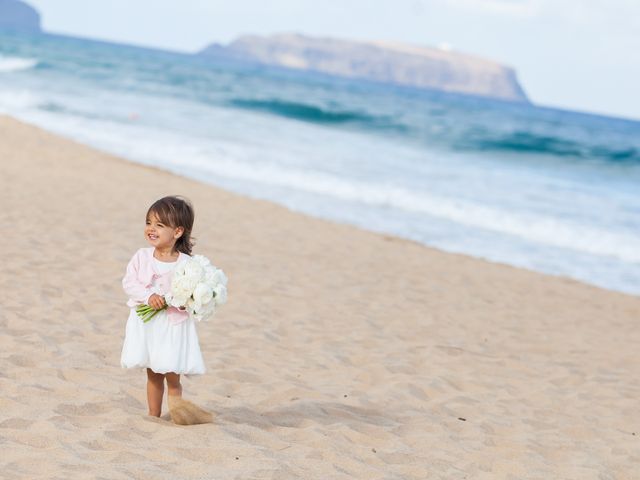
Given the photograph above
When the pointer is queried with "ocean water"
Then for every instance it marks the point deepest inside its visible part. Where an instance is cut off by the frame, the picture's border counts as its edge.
(549, 190)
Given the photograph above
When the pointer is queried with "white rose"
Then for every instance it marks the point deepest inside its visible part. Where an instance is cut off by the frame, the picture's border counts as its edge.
(209, 273)
(190, 305)
(193, 269)
(218, 277)
(183, 283)
(221, 294)
(201, 260)
(179, 270)
(177, 283)
(205, 312)
(202, 293)
(178, 301)
(179, 292)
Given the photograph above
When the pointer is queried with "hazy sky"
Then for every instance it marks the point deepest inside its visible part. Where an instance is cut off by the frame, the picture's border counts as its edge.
(578, 54)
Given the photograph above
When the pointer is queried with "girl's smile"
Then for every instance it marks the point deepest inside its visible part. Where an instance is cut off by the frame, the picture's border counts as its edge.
(160, 235)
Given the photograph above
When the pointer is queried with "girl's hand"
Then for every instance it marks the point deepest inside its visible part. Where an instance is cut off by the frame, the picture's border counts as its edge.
(156, 301)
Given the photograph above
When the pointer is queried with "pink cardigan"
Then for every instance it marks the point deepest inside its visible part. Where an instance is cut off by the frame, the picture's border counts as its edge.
(138, 282)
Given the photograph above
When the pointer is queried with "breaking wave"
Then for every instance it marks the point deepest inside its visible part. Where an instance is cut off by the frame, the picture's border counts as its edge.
(16, 64)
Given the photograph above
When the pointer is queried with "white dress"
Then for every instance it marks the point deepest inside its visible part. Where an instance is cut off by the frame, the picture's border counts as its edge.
(160, 345)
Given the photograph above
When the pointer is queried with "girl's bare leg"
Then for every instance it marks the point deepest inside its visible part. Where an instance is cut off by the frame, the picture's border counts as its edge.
(155, 391)
(173, 384)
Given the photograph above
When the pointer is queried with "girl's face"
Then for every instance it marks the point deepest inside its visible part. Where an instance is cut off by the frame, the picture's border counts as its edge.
(159, 234)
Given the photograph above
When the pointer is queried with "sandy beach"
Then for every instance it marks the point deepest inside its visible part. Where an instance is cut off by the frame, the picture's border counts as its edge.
(341, 353)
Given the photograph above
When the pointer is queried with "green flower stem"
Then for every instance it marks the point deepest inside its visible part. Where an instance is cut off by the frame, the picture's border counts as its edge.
(146, 312)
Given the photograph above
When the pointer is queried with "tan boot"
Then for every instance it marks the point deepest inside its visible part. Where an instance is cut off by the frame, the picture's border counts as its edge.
(183, 412)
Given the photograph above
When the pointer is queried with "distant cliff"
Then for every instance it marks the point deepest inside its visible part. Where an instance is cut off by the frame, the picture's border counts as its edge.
(398, 64)
(18, 16)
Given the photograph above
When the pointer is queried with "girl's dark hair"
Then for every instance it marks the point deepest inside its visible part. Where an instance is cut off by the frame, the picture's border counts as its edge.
(176, 211)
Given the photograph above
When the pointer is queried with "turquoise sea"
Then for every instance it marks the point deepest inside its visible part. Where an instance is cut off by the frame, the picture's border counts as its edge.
(549, 190)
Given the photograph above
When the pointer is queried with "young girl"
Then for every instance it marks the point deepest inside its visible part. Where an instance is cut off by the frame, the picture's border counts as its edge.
(167, 345)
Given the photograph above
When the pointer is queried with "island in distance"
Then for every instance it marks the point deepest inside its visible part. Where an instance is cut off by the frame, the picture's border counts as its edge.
(383, 62)
(19, 17)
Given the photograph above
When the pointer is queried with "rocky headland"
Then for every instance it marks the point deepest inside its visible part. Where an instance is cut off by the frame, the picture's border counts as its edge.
(18, 16)
(390, 63)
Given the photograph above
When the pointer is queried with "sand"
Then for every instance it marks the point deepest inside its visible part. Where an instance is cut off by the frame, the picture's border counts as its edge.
(341, 353)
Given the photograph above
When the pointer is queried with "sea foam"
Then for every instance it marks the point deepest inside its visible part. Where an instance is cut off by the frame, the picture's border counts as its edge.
(16, 64)
(204, 160)
(13, 101)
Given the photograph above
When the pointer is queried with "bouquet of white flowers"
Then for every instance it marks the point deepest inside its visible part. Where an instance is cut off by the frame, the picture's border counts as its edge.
(197, 287)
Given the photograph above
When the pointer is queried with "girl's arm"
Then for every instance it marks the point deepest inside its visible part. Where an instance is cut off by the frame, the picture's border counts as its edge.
(137, 291)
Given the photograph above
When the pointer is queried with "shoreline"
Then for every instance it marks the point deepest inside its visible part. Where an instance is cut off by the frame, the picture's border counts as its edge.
(341, 353)
(325, 219)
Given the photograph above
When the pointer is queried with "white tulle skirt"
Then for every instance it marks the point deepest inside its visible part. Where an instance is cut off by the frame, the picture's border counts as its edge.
(162, 346)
